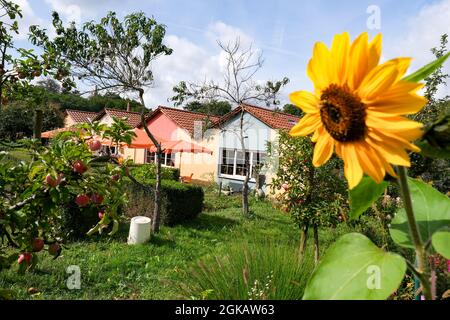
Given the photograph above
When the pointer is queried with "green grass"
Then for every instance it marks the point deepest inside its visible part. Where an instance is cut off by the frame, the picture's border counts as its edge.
(110, 269)
(18, 154)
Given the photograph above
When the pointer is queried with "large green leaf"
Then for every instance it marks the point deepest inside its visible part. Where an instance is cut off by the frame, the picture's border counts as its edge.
(431, 210)
(364, 194)
(353, 268)
(427, 70)
(441, 242)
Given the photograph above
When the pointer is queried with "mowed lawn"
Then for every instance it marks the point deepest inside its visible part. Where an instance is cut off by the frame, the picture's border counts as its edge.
(111, 269)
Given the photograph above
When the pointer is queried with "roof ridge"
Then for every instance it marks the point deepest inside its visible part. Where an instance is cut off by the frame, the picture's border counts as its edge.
(75, 110)
(120, 110)
(266, 109)
(188, 111)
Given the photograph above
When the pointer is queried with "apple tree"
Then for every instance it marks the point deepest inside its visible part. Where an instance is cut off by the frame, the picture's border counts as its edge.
(315, 197)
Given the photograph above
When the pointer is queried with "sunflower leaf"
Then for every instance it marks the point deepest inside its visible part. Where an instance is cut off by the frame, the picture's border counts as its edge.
(364, 194)
(427, 70)
(431, 210)
(441, 242)
(353, 268)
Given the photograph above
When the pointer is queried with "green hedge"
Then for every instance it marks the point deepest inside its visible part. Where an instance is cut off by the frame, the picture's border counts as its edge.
(179, 202)
(146, 172)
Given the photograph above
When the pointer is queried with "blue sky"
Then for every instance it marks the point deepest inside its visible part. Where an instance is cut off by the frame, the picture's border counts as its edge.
(285, 30)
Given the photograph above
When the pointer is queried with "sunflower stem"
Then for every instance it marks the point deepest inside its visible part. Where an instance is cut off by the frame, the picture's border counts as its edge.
(421, 253)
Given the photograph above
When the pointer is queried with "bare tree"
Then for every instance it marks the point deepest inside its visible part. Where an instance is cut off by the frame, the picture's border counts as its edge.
(237, 87)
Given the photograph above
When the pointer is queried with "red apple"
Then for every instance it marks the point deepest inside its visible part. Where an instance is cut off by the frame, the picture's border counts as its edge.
(54, 249)
(115, 177)
(101, 214)
(82, 200)
(52, 182)
(97, 198)
(26, 256)
(37, 244)
(95, 145)
(79, 167)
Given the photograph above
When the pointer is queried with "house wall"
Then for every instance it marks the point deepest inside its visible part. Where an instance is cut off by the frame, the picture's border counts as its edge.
(202, 166)
(68, 121)
(257, 133)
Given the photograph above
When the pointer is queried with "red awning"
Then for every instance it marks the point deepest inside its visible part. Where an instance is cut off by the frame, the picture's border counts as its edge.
(184, 146)
(52, 133)
(142, 141)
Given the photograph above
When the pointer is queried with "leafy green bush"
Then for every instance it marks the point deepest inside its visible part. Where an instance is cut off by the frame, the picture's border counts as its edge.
(146, 172)
(179, 201)
(250, 271)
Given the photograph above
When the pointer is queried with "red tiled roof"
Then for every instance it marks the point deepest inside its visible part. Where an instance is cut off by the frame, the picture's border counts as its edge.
(274, 119)
(133, 118)
(79, 116)
(183, 118)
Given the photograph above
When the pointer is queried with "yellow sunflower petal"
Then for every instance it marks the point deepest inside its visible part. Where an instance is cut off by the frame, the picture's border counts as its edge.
(340, 50)
(381, 78)
(386, 135)
(359, 61)
(374, 52)
(392, 152)
(320, 67)
(407, 129)
(370, 162)
(315, 136)
(388, 167)
(323, 149)
(305, 100)
(306, 125)
(352, 169)
(400, 105)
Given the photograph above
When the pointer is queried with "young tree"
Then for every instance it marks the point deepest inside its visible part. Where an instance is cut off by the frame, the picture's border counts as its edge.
(18, 66)
(238, 87)
(435, 106)
(314, 197)
(114, 56)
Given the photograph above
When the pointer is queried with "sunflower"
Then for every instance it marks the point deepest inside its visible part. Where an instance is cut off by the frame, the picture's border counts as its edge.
(357, 106)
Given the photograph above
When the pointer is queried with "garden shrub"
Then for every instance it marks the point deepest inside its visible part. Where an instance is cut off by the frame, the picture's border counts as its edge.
(179, 202)
(250, 271)
(146, 172)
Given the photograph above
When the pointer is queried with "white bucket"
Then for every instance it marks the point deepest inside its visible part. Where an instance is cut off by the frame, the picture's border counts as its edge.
(140, 228)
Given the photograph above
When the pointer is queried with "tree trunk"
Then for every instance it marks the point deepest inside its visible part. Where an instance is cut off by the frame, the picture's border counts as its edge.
(157, 209)
(245, 207)
(38, 118)
(303, 242)
(316, 245)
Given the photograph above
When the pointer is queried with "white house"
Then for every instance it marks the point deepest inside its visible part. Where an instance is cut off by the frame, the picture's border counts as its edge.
(261, 125)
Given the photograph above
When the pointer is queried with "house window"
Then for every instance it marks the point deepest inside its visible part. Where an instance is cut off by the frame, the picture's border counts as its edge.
(167, 159)
(108, 150)
(233, 162)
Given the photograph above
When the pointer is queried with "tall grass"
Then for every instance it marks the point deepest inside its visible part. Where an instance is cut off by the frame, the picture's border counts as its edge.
(250, 271)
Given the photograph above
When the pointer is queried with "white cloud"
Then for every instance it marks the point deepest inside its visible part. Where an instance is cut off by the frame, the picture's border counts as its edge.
(191, 62)
(424, 33)
(227, 34)
(29, 18)
(70, 10)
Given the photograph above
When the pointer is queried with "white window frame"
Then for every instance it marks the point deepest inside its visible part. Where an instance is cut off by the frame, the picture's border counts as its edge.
(164, 158)
(235, 176)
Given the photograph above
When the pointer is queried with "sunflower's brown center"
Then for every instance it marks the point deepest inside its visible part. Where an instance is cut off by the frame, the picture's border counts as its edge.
(343, 114)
